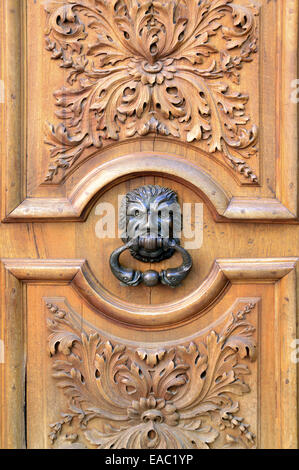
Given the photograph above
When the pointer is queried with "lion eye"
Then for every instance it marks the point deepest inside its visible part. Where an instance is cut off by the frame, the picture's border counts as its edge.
(137, 213)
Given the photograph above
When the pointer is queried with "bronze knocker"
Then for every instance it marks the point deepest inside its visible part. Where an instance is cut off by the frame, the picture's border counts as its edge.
(151, 217)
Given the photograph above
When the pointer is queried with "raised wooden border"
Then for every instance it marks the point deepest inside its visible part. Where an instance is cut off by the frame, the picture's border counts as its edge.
(75, 207)
(13, 370)
(18, 272)
(78, 274)
(16, 207)
(13, 154)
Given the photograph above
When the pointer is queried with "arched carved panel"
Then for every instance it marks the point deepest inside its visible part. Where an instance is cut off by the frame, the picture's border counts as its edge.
(80, 277)
(75, 205)
(110, 106)
(260, 298)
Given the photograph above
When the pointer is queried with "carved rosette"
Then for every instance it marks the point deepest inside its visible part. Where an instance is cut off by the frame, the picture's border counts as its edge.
(151, 66)
(176, 397)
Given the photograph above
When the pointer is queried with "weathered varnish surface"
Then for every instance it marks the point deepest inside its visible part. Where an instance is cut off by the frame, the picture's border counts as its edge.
(199, 101)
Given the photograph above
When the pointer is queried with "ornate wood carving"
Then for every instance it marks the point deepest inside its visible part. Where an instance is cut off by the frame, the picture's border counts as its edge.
(133, 66)
(223, 207)
(78, 274)
(29, 199)
(173, 397)
(275, 279)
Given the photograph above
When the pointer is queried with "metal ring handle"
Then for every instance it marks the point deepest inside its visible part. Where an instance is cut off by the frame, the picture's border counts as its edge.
(171, 277)
(174, 276)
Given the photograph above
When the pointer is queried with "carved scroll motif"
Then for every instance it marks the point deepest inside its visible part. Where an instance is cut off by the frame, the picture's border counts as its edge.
(172, 397)
(149, 66)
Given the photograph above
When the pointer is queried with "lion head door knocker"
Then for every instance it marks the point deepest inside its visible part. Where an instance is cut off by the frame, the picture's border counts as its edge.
(150, 217)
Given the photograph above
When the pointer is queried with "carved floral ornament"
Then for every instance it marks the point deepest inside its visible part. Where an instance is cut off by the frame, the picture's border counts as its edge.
(176, 397)
(141, 66)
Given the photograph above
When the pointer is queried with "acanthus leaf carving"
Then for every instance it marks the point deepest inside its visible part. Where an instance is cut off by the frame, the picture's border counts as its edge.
(136, 64)
(172, 397)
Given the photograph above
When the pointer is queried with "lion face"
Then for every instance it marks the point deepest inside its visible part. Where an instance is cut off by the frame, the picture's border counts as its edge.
(152, 215)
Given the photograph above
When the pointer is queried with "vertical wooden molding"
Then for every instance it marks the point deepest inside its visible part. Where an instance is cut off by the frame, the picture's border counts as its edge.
(297, 336)
(285, 326)
(12, 110)
(12, 417)
(287, 111)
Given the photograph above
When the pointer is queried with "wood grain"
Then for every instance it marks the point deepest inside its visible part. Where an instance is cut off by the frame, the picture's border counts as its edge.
(52, 260)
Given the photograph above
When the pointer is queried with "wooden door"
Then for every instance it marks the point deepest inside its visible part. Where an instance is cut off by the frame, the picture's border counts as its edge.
(101, 97)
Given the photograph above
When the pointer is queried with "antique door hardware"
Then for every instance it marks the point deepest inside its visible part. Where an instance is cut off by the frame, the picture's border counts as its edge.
(151, 219)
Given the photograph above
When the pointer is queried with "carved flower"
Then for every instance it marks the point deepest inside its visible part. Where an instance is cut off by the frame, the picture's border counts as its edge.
(152, 74)
(124, 398)
(151, 66)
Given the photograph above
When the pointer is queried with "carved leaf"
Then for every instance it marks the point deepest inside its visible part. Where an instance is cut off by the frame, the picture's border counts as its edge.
(244, 346)
(64, 340)
(195, 436)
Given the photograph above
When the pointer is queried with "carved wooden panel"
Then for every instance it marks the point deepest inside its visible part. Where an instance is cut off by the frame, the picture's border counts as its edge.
(101, 97)
(152, 398)
(133, 66)
(216, 383)
(115, 80)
